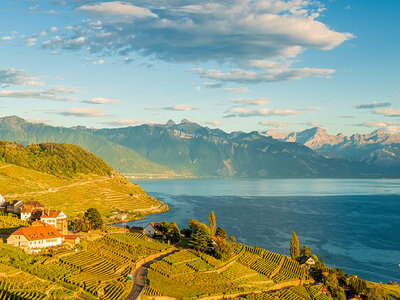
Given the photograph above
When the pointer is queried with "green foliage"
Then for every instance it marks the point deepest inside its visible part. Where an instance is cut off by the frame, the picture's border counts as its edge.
(94, 218)
(305, 251)
(62, 160)
(322, 261)
(221, 233)
(222, 250)
(201, 238)
(186, 232)
(171, 231)
(294, 246)
(232, 238)
(212, 225)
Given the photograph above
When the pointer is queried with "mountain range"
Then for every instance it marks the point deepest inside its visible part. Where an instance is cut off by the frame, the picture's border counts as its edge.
(377, 148)
(190, 150)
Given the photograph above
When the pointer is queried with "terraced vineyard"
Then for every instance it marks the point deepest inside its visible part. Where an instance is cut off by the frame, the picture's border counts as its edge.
(10, 223)
(293, 293)
(100, 270)
(85, 191)
(190, 274)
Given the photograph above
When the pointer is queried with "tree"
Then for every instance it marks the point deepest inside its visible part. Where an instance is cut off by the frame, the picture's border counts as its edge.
(171, 231)
(232, 238)
(212, 224)
(201, 239)
(222, 250)
(221, 233)
(294, 246)
(305, 252)
(186, 232)
(322, 261)
(94, 218)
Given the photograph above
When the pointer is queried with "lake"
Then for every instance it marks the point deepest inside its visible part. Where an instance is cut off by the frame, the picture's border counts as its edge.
(353, 223)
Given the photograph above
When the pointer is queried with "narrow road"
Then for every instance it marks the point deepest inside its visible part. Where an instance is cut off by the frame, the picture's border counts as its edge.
(138, 276)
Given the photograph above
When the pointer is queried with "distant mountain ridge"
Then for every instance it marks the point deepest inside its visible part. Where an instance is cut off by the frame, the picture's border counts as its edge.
(191, 148)
(377, 148)
(122, 159)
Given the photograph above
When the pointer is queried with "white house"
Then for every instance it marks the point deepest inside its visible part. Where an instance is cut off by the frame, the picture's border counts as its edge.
(2, 200)
(152, 229)
(33, 239)
(29, 208)
(55, 218)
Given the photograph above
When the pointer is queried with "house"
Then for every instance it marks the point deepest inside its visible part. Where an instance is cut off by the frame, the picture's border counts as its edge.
(12, 206)
(306, 262)
(29, 208)
(33, 239)
(2, 200)
(55, 218)
(153, 228)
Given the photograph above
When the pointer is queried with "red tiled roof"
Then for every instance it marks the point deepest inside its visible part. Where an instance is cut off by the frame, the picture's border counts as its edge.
(39, 223)
(34, 203)
(156, 225)
(70, 237)
(50, 214)
(38, 233)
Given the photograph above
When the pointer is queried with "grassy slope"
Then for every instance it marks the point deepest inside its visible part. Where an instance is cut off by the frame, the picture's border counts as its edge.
(73, 195)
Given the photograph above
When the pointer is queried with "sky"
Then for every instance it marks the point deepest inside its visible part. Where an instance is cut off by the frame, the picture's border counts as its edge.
(278, 65)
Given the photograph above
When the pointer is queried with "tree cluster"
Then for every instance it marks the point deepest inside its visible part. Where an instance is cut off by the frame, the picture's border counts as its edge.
(62, 160)
(90, 220)
(171, 231)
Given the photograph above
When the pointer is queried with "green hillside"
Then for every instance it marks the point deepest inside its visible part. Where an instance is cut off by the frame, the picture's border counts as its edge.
(62, 160)
(120, 158)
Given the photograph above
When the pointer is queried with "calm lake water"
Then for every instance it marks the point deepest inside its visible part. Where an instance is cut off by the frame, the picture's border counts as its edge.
(354, 223)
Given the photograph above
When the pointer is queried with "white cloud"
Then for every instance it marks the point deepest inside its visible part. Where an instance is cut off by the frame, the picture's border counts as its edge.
(101, 101)
(248, 101)
(372, 105)
(310, 108)
(244, 112)
(124, 122)
(276, 124)
(6, 38)
(214, 123)
(174, 30)
(37, 120)
(30, 42)
(12, 76)
(107, 10)
(80, 112)
(181, 107)
(386, 126)
(98, 62)
(57, 94)
(313, 124)
(213, 85)
(237, 90)
(275, 74)
(388, 112)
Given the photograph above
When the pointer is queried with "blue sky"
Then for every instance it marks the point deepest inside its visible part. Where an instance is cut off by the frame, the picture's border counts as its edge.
(236, 65)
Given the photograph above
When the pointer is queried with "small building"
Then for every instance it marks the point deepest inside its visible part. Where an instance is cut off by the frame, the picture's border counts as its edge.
(29, 208)
(153, 228)
(33, 239)
(72, 239)
(307, 262)
(2, 200)
(55, 218)
(12, 206)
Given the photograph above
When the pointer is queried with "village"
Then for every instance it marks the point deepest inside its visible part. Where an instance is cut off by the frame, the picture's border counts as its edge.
(48, 228)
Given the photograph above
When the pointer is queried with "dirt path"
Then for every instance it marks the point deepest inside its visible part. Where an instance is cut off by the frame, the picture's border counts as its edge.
(138, 276)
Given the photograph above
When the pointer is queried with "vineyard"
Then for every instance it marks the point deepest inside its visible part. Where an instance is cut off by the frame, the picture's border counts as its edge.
(293, 293)
(10, 223)
(104, 193)
(189, 274)
(99, 270)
